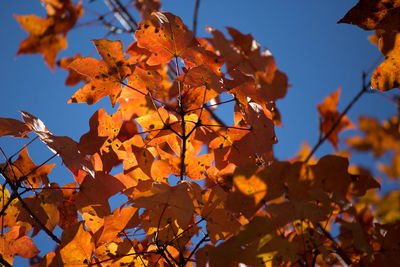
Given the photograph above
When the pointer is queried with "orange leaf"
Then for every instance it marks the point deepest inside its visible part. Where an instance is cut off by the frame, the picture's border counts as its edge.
(387, 75)
(379, 137)
(23, 169)
(169, 39)
(73, 77)
(15, 243)
(39, 41)
(47, 35)
(105, 75)
(155, 196)
(76, 246)
(329, 113)
(121, 219)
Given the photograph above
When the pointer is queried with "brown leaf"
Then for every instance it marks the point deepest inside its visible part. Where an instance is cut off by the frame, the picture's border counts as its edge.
(13, 127)
(375, 14)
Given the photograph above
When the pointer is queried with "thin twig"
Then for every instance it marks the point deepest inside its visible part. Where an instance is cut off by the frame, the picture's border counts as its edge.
(204, 239)
(363, 90)
(195, 15)
(4, 262)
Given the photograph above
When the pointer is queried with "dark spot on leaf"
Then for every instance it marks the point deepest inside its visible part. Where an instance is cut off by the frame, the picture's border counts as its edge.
(148, 73)
(73, 100)
(156, 30)
(104, 75)
(120, 63)
(93, 87)
(151, 127)
(97, 77)
(146, 26)
(113, 70)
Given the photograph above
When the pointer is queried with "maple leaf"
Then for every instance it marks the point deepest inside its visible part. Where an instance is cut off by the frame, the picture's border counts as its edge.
(147, 7)
(13, 127)
(23, 169)
(168, 40)
(379, 137)
(255, 71)
(387, 75)
(393, 169)
(45, 206)
(14, 242)
(146, 81)
(68, 213)
(47, 35)
(253, 187)
(76, 246)
(105, 76)
(38, 41)
(155, 196)
(102, 137)
(73, 77)
(64, 146)
(374, 14)
(94, 193)
(387, 208)
(121, 218)
(329, 113)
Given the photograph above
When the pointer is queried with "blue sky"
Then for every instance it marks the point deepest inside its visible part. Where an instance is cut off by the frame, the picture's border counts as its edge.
(317, 54)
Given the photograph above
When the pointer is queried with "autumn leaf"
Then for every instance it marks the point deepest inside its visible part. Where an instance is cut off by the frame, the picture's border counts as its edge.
(94, 193)
(64, 146)
(387, 75)
(102, 138)
(147, 7)
(47, 35)
(14, 242)
(329, 113)
(73, 77)
(393, 169)
(122, 218)
(105, 76)
(23, 169)
(374, 14)
(168, 40)
(45, 207)
(38, 41)
(13, 127)
(68, 213)
(76, 246)
(155, 196)
(378, 137)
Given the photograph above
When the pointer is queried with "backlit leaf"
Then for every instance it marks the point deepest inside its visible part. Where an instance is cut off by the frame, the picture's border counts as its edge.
(105, 75)
(169, 39)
